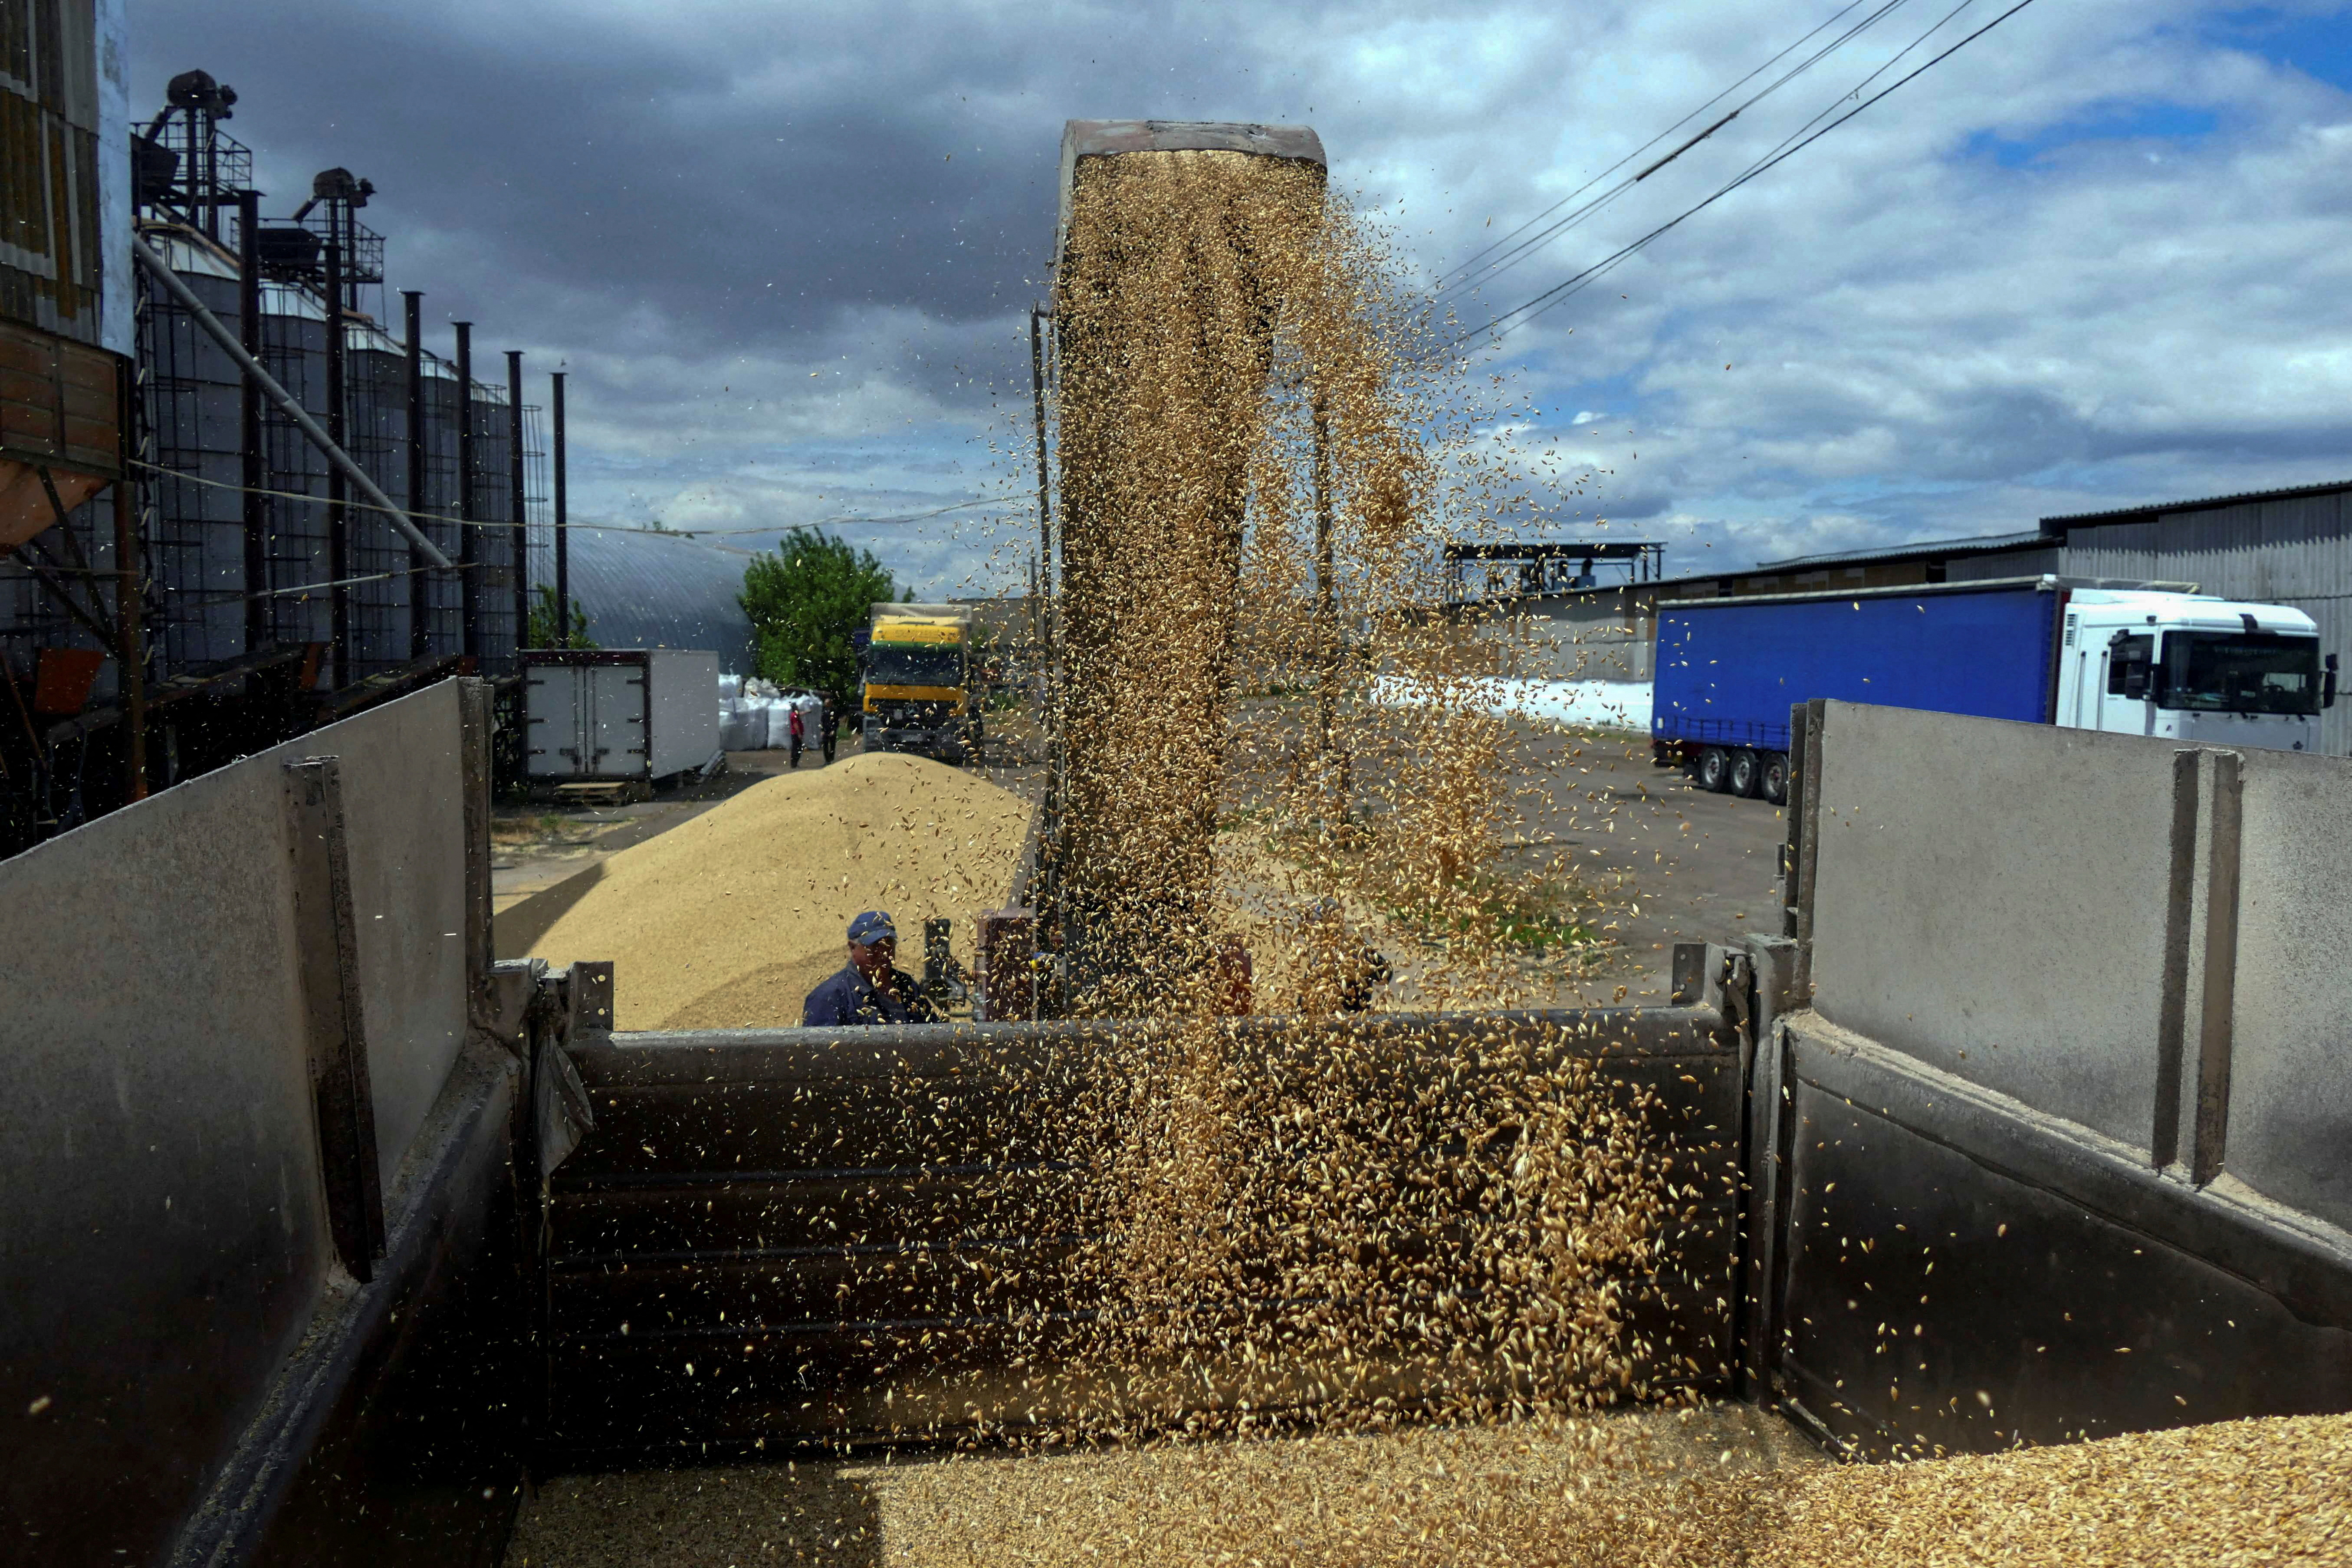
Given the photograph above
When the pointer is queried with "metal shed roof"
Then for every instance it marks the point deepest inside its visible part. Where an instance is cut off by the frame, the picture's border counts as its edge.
(644, 589)
(1977, 545)
(2138, 513)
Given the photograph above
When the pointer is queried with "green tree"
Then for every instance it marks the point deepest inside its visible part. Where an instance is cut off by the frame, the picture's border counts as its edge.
(806, 602)
(545, 619)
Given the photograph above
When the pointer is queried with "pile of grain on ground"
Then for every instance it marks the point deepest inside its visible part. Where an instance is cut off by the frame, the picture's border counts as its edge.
(1666, 1490)
(2274, 1492)
(729, 920)
(1303, 1500)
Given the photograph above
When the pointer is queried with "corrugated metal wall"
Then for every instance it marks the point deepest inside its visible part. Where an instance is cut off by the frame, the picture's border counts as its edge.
(2295, 551)
(192, 421)
(1991, 568)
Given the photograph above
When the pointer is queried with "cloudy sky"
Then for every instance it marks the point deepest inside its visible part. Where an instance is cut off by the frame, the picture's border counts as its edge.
(2097, 256)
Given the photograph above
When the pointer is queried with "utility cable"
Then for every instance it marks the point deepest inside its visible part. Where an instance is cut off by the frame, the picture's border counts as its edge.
(1448, 280)
(307, 588)
(1520, 252)
(354, 504)
(1855, 92)
(1520, 315)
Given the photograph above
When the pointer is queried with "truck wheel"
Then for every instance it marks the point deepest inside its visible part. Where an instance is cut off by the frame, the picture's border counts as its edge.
(1746, 773)
(1714, 771)
(1774, 784)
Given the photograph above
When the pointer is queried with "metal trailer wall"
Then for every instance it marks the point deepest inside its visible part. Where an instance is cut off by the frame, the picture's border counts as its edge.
(700, 1299)
(179, 1323)
(619, 713)
(2058, 1116)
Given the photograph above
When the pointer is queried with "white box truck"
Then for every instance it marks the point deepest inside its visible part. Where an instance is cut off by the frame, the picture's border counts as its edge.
(619, 716)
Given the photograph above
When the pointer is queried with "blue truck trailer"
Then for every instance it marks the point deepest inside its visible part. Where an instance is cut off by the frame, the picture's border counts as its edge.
(2040, 650)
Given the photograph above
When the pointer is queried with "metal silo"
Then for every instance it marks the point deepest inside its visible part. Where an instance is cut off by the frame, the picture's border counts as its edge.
(443, 600)
(295, 549)
(192, 429)
(494, 545)
(376, 381)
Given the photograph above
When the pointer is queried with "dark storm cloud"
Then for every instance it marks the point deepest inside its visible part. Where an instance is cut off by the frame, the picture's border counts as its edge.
(727, 179)
(785, 249)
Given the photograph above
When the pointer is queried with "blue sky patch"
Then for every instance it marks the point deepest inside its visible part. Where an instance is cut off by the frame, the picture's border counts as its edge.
(2121, 122)
(2319, 47)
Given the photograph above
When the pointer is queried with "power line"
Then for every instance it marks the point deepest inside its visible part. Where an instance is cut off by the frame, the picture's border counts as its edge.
(1887, 66)
(352, 504)
(1447, 281)
(1470, 274)
(1576, 284)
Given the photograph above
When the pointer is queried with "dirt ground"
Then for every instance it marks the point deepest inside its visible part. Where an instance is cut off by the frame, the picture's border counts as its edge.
(1643, 858)
(1659, 861)
(1668, 862)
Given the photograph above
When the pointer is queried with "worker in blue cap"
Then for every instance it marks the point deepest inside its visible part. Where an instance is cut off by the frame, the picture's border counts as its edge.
(870, 989)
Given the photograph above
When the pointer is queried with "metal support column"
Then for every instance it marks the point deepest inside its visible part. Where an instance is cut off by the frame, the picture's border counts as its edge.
(563, 521)
(253, 471)
(130, 601)
(1041, 894)
(517, 497)
(339, 543)
(420, 589)
(470, 543)
(1038, 315)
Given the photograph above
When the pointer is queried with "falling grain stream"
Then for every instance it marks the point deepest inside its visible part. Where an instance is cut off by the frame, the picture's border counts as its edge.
(1160, 1285)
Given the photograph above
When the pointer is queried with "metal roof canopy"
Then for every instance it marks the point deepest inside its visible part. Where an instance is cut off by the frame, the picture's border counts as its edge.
(2048, 582)
(1537, 576)
(1614, 550)
(2051, 532)
(2211, 503)
(1111, 138)
(1979, 545)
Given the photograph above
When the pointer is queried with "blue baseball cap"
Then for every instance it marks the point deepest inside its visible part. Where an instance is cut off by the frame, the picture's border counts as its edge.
(872, 926)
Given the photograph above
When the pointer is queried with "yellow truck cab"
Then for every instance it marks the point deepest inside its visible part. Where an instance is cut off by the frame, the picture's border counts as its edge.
(917, 670)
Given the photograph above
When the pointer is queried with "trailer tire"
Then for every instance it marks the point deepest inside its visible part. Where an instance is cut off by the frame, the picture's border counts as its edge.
(1772, 783)
(1713, 770)
(1746, 776)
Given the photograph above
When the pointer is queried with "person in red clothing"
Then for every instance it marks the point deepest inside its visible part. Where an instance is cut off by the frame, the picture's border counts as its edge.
(796, 731)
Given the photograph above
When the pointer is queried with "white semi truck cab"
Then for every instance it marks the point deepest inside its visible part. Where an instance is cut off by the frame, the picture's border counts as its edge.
(2130, 659)
(2187, 667)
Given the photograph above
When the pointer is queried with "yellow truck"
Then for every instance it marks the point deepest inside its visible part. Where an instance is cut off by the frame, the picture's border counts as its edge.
(919, 695)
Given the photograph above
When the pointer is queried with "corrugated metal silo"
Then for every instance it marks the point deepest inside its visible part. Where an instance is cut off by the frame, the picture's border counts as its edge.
(375, 382)
(295, 546)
